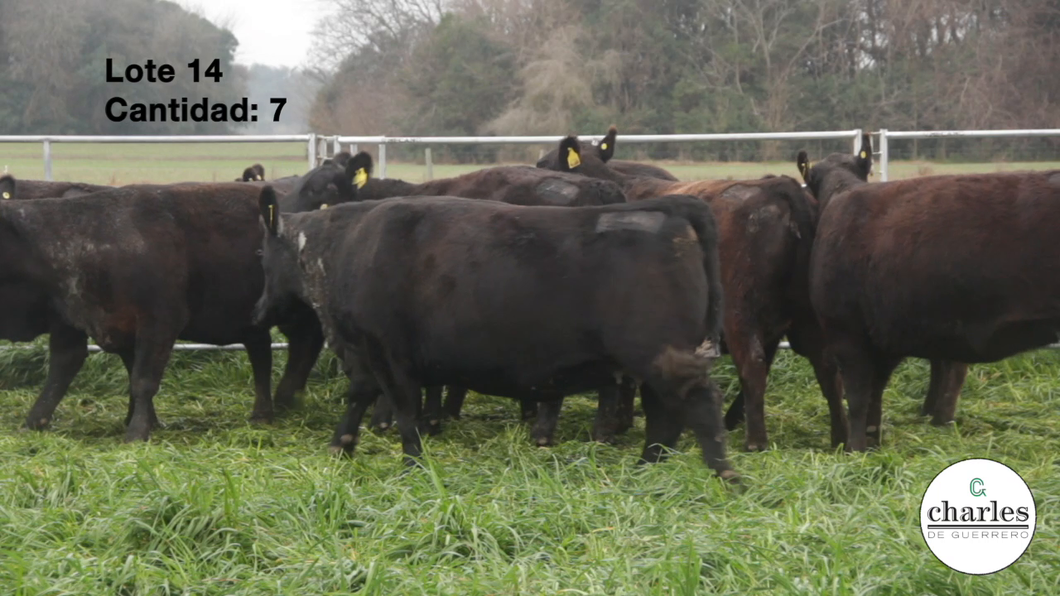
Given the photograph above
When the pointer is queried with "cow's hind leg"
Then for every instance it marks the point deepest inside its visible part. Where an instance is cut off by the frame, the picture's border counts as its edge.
(382, 414)
(863, 373)
(662, 427)
(605, 427)
(882, 370)
(627, 393)
(454, 401)
(149, 363)
(947, 379)
(362, 391)
(259, 351)
(404, 393)
(807, 340)
(752, 364)
(544, 430)
(432, 411)
(67, 350)
(305, 340)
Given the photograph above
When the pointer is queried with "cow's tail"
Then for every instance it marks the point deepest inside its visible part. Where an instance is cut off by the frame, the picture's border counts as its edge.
(701, 218)
(803, 228)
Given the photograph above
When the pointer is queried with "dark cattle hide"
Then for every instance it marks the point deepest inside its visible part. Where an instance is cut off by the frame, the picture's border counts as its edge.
(42, 189)
(512, 301)
(766, 230)
(137, 268)
(963, 268)
(604, 151)
(839, 172)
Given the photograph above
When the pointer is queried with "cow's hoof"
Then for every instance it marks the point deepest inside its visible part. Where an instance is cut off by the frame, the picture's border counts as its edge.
(35, 424)
(137, 435)
(381, 427)
(941, 421)
(543, 441)
(261, 418)
(755, 447)
(730, 476)
(431, 428)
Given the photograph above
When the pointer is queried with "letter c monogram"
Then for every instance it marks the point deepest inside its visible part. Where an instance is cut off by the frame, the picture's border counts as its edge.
(976, 488)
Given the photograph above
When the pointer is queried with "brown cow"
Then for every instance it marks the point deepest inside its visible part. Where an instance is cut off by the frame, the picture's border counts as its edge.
(963, 268)
(766, 230)
(839, 172)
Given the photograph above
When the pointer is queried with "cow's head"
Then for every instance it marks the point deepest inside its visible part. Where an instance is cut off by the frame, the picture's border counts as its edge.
(573, 157)
(7, 187)
(838, 171)
(279, 259)
(332, 182)
(255, 172)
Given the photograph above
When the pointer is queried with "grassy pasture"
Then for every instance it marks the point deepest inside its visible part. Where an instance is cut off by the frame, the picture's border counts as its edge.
(215, 505)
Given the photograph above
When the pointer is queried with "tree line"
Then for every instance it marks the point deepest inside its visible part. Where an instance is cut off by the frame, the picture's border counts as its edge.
(467, 67)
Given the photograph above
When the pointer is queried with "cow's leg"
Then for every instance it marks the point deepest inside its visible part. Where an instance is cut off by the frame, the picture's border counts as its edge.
(947, 379)
(627, 393)
(305, 340)
(67, 350)
(750, 360)
(607, 412)
(362, 391)
(404, 393)
(874, 423)
(701, 411)
(807, 341)
(544, 429)
(432, 411)
(382, 414)
(662, 427)
(259, 351)
(528, 410)
(737, 411)
(862, 373)
(128, 357)
(149, 363)
(454, 401)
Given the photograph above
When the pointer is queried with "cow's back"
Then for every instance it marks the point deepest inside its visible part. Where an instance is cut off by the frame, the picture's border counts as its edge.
(525, 185)
(959, 267)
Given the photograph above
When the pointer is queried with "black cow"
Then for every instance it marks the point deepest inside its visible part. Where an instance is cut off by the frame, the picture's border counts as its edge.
(525, 302)
(40, 189)
(137, 268)
(837, 173)
(255, 172)
(961, 268)
(766, 230)
(520, 185)
(604, 151)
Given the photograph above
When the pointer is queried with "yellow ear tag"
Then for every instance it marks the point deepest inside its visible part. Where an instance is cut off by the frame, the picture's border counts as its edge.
(573, 160)
(323, 205)
(360, 178)
(863, 155)
(603, 146)
(7, 195)
(257, 177)
(272, 216)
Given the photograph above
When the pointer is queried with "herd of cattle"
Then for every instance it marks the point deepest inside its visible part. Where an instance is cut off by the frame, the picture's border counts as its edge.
(582, 274)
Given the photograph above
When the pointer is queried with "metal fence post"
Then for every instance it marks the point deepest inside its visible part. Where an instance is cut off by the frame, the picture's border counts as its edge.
(382, 160)
(430, 163)
(857, 140)
(312, 150)
(336, 146)
(884, 156)
(47, 160)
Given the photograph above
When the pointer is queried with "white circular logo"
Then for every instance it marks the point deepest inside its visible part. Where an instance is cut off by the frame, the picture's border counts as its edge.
(978, 516)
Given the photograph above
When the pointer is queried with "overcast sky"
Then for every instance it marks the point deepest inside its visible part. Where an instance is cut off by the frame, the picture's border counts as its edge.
(273, 32)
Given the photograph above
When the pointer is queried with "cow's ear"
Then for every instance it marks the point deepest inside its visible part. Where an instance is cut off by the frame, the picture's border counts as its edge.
(259, 171)
(864, 156)
(359, 169)
(803, 162)
(606, 150)
(270, 211)
(570, 153)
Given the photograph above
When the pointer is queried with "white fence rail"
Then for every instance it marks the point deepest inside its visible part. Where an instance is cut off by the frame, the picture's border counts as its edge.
(885, 136)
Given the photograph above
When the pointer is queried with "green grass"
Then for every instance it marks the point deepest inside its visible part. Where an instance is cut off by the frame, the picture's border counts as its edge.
(215, 505)
(118, 164)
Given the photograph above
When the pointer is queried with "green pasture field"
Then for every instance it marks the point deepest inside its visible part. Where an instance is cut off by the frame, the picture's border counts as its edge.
(117, 164)
(216, 505)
